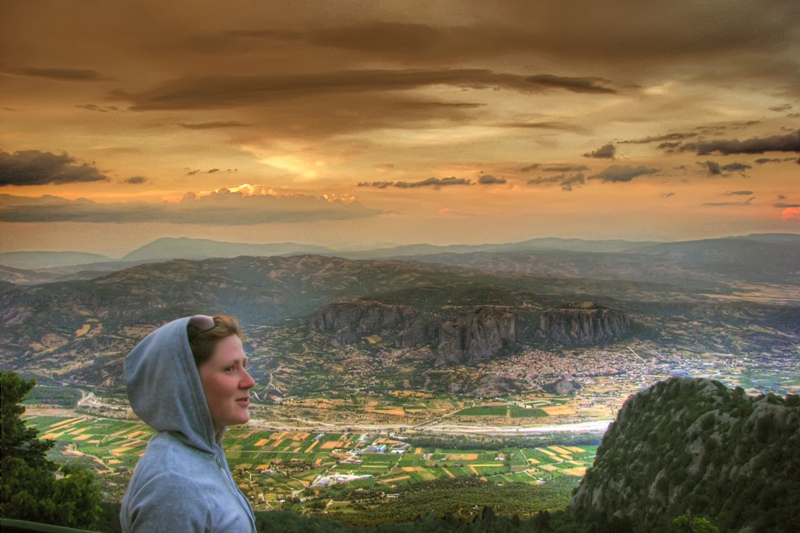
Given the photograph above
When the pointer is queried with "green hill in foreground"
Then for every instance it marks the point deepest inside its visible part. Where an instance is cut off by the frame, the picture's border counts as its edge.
(694, 447)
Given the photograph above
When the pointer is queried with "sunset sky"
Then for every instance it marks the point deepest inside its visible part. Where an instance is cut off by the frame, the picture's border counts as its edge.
(356, 123)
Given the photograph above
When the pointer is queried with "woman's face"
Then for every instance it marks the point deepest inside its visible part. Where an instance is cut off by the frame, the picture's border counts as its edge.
(227, 384)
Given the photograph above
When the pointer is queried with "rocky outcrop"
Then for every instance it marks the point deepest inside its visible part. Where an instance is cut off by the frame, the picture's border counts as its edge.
(563, 387)
(475, 335)
(694, 447)
(351, 320)
(470, 335)
(585, 323)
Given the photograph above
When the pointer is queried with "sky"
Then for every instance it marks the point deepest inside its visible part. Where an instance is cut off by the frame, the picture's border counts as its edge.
(354, 124)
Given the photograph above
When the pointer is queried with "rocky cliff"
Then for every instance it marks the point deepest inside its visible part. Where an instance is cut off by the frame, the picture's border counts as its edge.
(351, 320)
(474, 335)
(470, 334)
(694, 447)
(584, 323)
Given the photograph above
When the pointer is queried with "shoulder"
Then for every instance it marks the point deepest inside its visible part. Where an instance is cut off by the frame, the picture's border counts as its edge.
(167, 453)
(169, 464)
(176, 487)
(159, 503)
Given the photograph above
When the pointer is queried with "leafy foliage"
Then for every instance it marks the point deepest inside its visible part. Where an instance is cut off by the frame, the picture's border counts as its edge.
(684, 524)
(694, 447)
(462, 498)
(32, 487)
(486, 521)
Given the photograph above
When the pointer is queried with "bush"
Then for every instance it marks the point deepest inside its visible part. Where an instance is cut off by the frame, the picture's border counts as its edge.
(31, 487)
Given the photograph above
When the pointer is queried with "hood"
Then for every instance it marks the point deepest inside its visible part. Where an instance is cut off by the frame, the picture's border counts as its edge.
(164, 387)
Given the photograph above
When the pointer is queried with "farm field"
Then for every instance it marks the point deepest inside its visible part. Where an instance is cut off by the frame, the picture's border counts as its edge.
(285, 469)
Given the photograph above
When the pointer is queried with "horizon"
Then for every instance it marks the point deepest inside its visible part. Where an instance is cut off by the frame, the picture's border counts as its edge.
(344, 125)
(388, 245)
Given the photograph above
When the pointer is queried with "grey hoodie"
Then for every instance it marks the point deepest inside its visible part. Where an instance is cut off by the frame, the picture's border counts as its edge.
(182, 483)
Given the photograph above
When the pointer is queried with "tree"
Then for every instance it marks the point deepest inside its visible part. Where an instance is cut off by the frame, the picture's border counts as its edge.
(31, 486)
(684, 524)
(17, 439)
(543, 521)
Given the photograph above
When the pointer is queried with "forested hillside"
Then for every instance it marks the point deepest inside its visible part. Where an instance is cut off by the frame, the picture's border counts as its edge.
(695, 447)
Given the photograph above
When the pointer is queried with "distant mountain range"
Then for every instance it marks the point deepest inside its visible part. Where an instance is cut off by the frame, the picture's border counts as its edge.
(79, 330)
(67, 265)
(711, 265)
(188, 248)
(32, 260)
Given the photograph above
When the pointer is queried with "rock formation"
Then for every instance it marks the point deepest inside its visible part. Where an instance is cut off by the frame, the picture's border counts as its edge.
(694, 447)
(475, 335)
(583, 324)
(470, 334)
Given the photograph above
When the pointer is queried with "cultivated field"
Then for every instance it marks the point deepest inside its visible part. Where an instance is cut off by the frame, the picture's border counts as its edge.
(273, 467)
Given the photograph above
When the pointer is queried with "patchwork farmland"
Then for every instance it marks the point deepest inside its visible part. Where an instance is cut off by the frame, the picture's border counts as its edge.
(277, 469)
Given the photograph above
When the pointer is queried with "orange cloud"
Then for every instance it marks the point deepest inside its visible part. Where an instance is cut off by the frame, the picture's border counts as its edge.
(790, 212)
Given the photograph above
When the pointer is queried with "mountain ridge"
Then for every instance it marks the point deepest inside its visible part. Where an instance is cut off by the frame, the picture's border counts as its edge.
(166, 248)
(81, 329)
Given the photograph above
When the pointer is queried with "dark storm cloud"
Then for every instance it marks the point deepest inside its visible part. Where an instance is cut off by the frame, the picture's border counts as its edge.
(783, 107)
(667, 194)
(58, 74)
(576, 85)
(606, 151)
(433, 182)
(566, 182)
(623, 173)
(530, 167)
(209, 92)
(562, 126)
(392, 39)
(377, 184)
(756, 145)
(582, 29)
(32, 167)
(565, 168)
(436, 183)
(782, 205)
(99, 109)
(719, 129)
(669, 146)
(135, 180)
(738, 193)
(488, 179)
(723, 204)
(661, 138)
(222, 208)
(715, 169)
(215, 125)
(736, 167)
(444, 105)
(762, 160)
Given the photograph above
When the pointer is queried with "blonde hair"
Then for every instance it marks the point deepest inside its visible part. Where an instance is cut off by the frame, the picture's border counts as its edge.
(202, 341)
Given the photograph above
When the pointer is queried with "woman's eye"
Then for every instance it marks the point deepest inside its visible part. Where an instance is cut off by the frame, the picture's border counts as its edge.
(230, 369)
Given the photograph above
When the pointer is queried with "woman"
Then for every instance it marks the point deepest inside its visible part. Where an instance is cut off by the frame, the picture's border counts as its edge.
(188, 380)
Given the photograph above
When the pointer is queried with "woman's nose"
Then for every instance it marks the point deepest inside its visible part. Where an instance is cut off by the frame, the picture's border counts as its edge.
(247, 381)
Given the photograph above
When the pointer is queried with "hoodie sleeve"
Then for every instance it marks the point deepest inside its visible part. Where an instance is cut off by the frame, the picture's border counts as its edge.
(161, 505)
